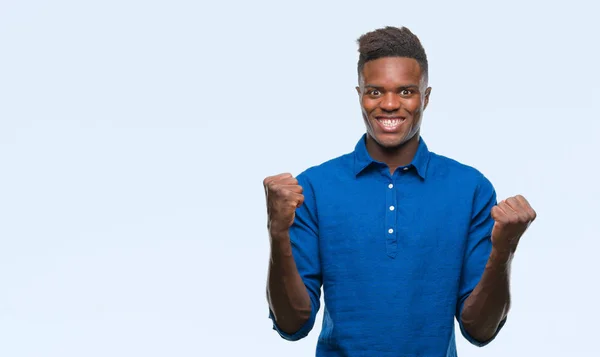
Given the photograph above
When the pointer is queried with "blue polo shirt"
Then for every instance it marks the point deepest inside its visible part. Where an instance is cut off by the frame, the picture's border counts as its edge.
(396, 255)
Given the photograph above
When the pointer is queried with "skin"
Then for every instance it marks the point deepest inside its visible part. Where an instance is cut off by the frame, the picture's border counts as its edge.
(489, 302)
(286, 292)
(391, 87)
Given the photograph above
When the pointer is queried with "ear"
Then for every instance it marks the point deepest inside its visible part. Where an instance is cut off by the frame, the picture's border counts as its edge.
(427, 92)
(358, 90)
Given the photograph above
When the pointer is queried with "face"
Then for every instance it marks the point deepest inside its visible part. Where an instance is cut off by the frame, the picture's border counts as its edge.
(393, 96)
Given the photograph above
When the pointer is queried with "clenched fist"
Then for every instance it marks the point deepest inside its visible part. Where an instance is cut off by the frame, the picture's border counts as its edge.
(513, 216)
(283, 195)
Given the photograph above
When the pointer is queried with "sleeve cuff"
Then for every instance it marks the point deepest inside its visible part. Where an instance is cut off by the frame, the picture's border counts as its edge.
(300, 334)
(478, 343)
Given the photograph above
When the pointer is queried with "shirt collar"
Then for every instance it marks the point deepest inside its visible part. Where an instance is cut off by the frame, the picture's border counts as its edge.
(362, 159)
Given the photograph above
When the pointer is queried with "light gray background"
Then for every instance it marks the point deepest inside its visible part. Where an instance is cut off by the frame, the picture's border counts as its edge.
(134, 137)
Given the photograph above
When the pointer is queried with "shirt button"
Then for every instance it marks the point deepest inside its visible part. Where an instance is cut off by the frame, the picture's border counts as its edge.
(390, 231)
(390, 186)
(405, 169)
(391, 208)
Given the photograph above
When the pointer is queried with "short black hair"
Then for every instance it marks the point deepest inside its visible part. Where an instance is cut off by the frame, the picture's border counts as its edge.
(391, 42)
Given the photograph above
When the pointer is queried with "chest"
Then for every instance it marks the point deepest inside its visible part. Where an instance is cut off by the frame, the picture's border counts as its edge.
(409, 225)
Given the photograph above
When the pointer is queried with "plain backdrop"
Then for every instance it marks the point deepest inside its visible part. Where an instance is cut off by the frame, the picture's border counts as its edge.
(135, 135)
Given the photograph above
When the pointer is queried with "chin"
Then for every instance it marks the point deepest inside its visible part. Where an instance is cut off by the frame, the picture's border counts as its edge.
(386, 141)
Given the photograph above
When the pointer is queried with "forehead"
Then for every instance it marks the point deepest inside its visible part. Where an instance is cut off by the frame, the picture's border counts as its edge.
(392, 70)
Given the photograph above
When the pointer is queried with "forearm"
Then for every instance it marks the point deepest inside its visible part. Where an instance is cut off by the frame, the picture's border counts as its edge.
(287, 295)
(489, 302)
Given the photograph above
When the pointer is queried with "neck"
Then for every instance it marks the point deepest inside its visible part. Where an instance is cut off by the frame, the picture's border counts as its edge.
(394, 157)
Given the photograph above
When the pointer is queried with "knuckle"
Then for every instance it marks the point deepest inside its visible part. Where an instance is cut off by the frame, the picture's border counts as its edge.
(277, 192)
(289, 196)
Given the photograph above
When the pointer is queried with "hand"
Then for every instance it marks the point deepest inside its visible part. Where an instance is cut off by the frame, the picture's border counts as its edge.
(513, 216)
(283, 195)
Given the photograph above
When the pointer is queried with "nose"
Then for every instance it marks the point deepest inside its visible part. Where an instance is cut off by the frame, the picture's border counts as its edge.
(390, 102)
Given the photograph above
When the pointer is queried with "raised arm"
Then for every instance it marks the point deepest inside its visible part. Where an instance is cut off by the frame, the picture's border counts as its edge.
(488, 305)
(293, 287)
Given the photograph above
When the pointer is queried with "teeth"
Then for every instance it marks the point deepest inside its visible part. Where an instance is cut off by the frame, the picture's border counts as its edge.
(390, 122)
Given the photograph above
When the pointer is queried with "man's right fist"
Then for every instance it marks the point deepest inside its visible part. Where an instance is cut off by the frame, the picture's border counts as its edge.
(283, 195)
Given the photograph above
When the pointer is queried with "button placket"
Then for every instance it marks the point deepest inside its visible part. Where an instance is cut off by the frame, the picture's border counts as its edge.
(391, 242)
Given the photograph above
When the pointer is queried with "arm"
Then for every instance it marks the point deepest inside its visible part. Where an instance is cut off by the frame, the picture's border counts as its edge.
(286, 293)
(489, 303)
(294, 278)
(487, 306)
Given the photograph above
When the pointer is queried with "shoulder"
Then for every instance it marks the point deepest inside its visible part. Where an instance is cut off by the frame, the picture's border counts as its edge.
(327, 170)
(456, 171)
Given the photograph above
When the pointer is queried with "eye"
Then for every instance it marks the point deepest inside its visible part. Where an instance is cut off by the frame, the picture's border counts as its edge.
(374, 92)
(405, 92)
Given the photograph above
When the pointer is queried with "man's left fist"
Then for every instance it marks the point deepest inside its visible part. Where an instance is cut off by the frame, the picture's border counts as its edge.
(513, 216)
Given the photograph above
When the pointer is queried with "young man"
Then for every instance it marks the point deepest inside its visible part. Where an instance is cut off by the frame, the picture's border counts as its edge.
(401, 239)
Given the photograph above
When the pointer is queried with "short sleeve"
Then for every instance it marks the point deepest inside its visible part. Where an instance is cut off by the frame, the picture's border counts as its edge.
(304, 237)
(477, 252)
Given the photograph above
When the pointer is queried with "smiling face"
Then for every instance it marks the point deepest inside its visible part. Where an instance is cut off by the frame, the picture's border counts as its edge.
(393, 95)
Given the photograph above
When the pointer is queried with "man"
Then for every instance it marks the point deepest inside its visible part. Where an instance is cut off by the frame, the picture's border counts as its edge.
(401, 239)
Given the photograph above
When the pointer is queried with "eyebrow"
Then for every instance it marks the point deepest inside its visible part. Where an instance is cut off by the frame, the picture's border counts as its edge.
(408, 86)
